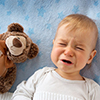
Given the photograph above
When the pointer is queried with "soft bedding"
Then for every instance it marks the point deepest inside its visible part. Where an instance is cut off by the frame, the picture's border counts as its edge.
(40, 19)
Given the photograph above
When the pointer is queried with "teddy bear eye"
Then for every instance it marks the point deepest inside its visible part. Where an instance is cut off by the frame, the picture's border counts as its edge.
(18, 38)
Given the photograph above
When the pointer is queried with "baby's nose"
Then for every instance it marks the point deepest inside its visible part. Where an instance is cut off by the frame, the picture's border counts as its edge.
(69, 51)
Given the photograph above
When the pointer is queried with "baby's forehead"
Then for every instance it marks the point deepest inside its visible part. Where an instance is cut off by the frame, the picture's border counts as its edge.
(78, 33)
(76, 30)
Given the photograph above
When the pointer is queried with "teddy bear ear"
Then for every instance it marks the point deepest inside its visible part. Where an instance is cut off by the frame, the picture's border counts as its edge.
(33, 51)
(15, 27)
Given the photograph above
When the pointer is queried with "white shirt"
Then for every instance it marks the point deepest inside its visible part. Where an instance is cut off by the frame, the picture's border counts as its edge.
(47, 84)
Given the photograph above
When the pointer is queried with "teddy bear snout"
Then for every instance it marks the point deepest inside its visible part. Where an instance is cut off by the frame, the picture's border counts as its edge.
(17, 43)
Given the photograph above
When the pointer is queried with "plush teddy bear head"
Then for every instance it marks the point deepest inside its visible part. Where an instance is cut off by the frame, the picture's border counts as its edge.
(20, 46)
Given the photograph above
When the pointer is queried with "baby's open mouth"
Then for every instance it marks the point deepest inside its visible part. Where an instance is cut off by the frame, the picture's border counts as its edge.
(67, 61)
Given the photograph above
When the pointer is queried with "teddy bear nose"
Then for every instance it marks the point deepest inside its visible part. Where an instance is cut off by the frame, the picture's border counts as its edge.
(17, 43)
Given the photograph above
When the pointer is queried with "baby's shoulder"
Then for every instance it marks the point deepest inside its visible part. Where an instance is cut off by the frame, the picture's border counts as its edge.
(93, 89)
(41, 72)
(92, 85)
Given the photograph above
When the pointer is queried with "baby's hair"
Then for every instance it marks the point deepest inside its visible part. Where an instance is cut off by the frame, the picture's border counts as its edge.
(80, 22)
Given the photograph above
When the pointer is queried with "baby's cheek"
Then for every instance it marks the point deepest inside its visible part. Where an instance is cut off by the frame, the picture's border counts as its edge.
(82, 60)
(55, 54)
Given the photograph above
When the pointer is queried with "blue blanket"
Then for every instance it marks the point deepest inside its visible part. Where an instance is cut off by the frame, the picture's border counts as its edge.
(40, 19)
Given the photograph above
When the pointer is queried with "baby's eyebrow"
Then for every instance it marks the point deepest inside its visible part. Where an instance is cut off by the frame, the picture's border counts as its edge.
(81, 44)
(63, 40)
(76, 42)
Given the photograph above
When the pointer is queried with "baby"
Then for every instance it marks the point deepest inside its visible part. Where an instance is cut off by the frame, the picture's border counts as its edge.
(73, 48)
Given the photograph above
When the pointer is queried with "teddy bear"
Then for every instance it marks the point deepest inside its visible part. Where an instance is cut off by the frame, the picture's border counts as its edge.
(7, 69)
(19, 48)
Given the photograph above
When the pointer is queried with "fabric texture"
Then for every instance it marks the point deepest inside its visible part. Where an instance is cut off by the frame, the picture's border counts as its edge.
(6, 96)
(47, 84)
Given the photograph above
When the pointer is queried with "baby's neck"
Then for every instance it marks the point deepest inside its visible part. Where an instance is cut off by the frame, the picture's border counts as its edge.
(70, 76)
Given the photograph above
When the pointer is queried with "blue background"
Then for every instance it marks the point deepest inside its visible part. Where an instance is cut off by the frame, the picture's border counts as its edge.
(40, 19)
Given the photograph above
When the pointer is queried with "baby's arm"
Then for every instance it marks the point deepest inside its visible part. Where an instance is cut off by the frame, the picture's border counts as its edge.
(25, 90)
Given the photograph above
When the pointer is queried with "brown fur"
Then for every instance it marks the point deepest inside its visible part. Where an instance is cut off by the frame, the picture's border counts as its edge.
(31, 49)
(7, 81)
(29, 52)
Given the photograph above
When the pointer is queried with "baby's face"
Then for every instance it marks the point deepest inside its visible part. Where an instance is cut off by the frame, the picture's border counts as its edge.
(72, 50)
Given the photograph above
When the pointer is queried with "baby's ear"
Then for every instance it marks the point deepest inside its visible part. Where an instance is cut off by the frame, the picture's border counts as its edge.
(92, 55)
(53, 41)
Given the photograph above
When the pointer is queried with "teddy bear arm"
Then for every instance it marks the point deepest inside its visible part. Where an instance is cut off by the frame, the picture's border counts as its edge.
(1, 36)
(8, 63)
